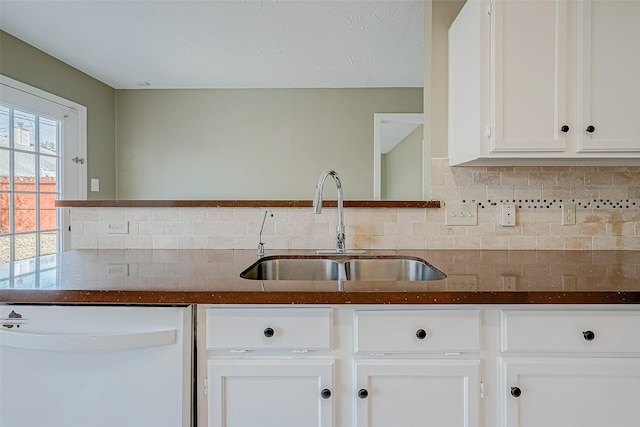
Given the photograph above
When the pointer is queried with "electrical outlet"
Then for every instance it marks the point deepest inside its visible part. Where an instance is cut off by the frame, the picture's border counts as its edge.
(118, 270)
(462, 282)
(118, 227)
(509, 282)
(508, 215)
(568, 214)
(461, 213)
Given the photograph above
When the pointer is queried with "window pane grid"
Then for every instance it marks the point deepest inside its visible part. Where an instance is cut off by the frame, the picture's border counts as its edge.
(29, 170)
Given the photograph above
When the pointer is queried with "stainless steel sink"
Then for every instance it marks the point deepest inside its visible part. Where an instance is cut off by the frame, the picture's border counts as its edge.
(281, 268)
(342, 268)
(391, 269)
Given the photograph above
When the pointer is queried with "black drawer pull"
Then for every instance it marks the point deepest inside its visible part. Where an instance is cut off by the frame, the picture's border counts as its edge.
(516, 392)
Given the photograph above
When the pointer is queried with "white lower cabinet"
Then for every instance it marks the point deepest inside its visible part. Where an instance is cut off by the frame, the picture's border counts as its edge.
(436, 366)
(339, 366)
(570, 368)
(568, 392)
(415, 393)
(270, 393)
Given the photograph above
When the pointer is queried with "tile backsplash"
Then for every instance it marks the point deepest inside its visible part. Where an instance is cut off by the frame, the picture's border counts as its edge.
(607, 217)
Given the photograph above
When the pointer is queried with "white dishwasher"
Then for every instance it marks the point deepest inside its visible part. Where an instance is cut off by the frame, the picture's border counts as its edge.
(98, 366)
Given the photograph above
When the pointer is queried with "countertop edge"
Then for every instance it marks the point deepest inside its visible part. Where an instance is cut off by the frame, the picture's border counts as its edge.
(418, 204)
(116, 297)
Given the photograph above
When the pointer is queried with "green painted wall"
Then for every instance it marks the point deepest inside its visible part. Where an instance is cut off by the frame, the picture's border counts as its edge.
(23, 62)
(250, 143)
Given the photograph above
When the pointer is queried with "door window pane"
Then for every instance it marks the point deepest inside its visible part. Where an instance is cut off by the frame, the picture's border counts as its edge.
(48, 174)
(24, 171)
(5, 248)
(25, 246)
(5, 214)
(47, 212)
(4, 170)
(24, 212)
(24, 131)
(4, 126)
(48, 136)
(48, 243)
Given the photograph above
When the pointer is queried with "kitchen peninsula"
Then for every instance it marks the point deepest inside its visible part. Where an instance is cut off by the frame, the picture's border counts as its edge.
(490, 343)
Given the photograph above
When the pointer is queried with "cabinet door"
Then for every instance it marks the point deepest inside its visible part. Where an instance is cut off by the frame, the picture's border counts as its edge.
(610, 87)
(529, 76)
(413, 393)
(270, 393)
(570, 392)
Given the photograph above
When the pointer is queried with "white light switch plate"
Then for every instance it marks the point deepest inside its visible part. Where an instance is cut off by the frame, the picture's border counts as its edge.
(95, 184)
(461, 213)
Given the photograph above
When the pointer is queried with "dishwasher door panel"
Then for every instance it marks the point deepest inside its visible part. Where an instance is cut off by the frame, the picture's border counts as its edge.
(100, 366)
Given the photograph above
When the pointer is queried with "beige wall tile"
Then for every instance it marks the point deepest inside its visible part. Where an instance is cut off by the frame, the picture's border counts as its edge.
(578, 243)
(494, 242)
(522, 242)
(549, 242)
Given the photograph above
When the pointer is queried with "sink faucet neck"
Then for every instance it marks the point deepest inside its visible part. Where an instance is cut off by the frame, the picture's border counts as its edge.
(317, 206)
(260, 242)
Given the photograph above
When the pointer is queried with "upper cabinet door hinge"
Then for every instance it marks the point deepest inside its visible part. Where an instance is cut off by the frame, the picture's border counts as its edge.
(481, 390)
(489, 131)
(489, 6)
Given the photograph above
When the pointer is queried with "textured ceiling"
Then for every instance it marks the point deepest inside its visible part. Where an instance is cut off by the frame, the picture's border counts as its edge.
(229, 43)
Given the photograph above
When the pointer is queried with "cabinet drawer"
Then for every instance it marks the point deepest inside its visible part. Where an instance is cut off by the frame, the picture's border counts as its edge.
(253, 329)
(414, 331)
(570, 331)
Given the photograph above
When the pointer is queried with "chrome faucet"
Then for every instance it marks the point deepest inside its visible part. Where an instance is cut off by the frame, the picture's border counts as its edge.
(260, 251)
(317, 206)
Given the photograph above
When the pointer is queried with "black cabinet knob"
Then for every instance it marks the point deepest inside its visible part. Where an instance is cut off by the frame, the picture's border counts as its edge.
(363, 393)
(325, 393)
(591, 129)
(589, 335)
(564, 128)
(268, 332)
(421, 334)
(516, 392)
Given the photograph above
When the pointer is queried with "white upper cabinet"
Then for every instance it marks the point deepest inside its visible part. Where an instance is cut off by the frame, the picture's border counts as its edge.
(608, 70)
(529, 76)
(544, 79)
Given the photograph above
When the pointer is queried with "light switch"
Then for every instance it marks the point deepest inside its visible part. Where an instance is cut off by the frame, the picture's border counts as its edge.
(461, 213)
(95, 184)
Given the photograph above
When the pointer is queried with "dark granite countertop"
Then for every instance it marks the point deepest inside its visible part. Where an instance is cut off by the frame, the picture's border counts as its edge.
(212, 277)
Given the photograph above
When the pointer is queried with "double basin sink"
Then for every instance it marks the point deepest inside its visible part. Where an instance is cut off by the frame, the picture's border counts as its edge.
(342, 267)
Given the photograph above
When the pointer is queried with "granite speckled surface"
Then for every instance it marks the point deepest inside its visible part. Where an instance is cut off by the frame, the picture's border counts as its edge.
(213, 277)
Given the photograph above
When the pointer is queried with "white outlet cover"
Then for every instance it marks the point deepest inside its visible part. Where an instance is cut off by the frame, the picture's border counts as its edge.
(508, 215)
(568, 214)
(118, 227)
